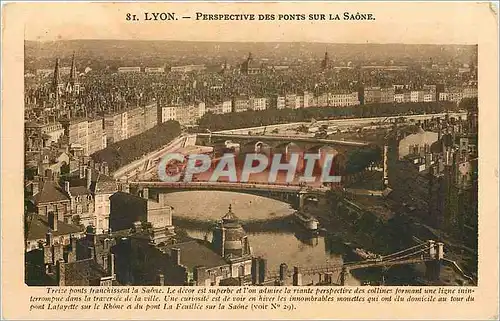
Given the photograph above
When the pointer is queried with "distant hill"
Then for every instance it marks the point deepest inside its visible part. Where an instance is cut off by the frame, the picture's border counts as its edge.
(127, 52)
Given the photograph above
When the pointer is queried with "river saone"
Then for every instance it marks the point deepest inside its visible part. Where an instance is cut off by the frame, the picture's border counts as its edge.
(271, 231)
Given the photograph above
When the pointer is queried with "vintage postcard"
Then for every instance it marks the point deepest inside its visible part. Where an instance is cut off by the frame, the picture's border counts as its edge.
(250, 160)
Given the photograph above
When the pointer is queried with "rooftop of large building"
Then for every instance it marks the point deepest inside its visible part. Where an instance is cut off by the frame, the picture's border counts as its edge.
(50, 192)
(39, 226)
(83, 272)
(195, 253)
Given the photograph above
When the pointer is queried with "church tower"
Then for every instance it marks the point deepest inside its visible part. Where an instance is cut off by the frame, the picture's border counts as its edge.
(57, 84)
(74, 84)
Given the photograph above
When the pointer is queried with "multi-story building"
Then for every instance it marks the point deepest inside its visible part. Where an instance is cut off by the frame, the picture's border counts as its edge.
(82, 205)
(321, 100)
(343, 99)
(184, 114)
(152, 255)
(188, 115)
(125, 125)
(86, 261)
(48, 229)
(96, 139)
(77, 132)
(307, 100)
(227, 106)
(135, 121)
(129, 69)
(126, 209)
(154, 69)
(150, 120)
(416, 96)
(372, 95)
(103, 189)
(258, 103)
(222, 108)
(113, 128)
(48, 196)
(85, 133)
(387, 95)
(292, 101)
(188, 68)
(429, 97)
(399, 98)
(241, 104)
(430, 88)
(469, 92)
(168, 113)
(202, 109)
(280, 102)
(42, 135)
(455, 96)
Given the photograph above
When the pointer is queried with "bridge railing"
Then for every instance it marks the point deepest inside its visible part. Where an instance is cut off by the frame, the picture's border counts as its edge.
(419, 253)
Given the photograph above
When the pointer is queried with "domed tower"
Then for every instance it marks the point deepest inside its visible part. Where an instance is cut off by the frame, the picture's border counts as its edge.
(229, 237)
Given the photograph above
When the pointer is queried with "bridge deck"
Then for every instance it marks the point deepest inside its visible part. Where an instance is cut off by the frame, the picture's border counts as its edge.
(286, 138)
(283, 188)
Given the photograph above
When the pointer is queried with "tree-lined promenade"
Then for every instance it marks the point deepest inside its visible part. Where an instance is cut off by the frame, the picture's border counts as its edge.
(274, 116)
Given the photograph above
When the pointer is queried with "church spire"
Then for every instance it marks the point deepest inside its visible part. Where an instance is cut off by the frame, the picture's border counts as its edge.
(56, 82)
(73, 85)
(73, 77)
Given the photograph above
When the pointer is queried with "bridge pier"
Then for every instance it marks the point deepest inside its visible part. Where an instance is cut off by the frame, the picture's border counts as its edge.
(345, 276)
(258, 270)
(325, 278)
(433, 267)
(297, 276)
(283, 273)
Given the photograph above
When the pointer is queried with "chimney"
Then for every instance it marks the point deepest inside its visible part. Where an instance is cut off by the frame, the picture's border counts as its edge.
(58, 252)
(82, 171)
(49, 175)
(52, 221)
(88, 176)
(386, 174)
(161, 279)
(255, 271)
(73, 242)
(176, 255)
(61, 272)
(262, 270)
(66, 188)
(71, 254)
(137, 226)
(91, 236)
(283, 272)
(428, 159)
(35, 186)
(105, 168)
(111, 264)
(49, 239)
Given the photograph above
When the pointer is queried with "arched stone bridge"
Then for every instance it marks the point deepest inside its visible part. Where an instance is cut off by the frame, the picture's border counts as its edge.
(294, 194)
(276, 144)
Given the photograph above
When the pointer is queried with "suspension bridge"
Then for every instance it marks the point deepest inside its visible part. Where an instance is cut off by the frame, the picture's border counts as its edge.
(431, 253)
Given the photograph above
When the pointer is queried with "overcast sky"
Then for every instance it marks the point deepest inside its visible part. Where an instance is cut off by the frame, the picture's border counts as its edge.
(424, 23)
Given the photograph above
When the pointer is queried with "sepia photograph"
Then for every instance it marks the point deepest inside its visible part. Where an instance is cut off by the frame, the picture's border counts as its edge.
(172, 157)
